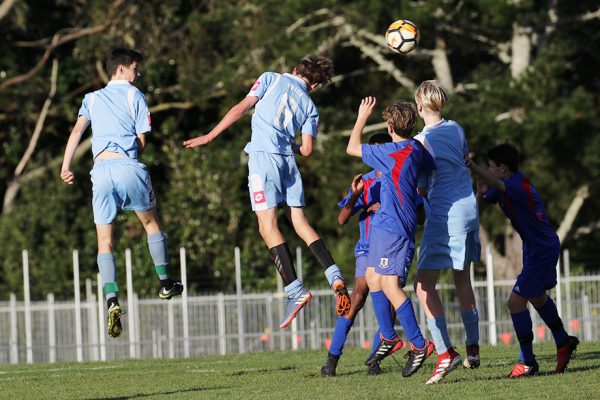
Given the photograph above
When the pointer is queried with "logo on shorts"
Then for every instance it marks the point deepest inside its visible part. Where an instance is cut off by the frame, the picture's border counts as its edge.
(516, 289)
(383, 263)
(259, 197)
(255, 86)
(149, 120)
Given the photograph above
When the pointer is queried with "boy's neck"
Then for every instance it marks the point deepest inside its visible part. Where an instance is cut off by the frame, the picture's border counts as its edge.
(398, 138)
(431, 117)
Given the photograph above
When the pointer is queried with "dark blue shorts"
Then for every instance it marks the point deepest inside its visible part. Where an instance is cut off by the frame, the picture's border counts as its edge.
(538, 275)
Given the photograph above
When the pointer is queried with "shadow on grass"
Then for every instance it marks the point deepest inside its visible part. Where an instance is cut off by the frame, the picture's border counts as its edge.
(260, 370)
(166, 393)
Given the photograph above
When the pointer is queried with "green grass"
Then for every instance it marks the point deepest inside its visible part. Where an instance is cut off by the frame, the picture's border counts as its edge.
(295, 375)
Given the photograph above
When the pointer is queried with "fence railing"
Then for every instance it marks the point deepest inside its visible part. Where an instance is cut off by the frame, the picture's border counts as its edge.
(195, 325)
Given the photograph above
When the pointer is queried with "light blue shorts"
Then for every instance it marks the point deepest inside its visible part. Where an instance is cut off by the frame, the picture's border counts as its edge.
(274, 179)
(449, 252)
(120, 184)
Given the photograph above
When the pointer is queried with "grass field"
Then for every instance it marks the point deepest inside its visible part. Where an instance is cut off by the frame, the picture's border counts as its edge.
(295, 375)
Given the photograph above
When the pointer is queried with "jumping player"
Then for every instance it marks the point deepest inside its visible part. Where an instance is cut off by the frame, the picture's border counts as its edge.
(451, 235)
(120, 121)
(284, 108)
(522, 204)
(392, 231)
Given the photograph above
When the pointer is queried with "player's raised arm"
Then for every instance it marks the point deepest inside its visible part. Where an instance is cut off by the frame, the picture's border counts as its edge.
(74, 138)
(364, 111)
(485, 175)
(357, 190)
(235, 113)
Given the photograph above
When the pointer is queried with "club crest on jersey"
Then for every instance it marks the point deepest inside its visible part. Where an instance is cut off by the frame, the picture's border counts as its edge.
(259, 197)
(383, 263)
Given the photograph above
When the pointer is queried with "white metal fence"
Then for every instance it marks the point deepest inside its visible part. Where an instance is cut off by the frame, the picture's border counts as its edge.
(51, 331)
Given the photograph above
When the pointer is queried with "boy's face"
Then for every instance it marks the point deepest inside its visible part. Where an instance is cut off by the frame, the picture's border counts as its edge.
(499, 171)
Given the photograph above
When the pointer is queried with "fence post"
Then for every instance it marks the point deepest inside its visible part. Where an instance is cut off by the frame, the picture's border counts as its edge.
(567, 276)
(491, 303)
(14, 339)
(184, 303)
(221, 318)
(270, 321)
(130, 304)
(587, 323)
(27, 298)
(558, 289)
(51, 329)
(101, 326)
(92, 320)
(171, 328)
(240, 303)
(77, 290)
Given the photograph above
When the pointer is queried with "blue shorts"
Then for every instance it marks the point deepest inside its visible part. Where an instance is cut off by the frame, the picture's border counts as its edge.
(361, 266)
(274, 179)
(120, 184)
(390, 254)
(449, 252)
(538, 276)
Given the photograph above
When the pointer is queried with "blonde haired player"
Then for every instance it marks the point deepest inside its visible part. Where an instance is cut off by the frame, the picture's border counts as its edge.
(451, 236)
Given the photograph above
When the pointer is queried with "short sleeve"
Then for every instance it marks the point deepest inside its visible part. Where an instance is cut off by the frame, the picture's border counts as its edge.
(374, 157)
(311, 126)
(84, 110)
(359, 205)
(142, 115)
(261, 85)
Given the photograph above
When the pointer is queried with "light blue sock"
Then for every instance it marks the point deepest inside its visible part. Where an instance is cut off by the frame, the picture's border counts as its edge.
(340, 333)
(333, 273)
(439, 333)
(293, 288)
(406, 316)
(471, 322)
(382, 307)
(108, 273)
(157, 244)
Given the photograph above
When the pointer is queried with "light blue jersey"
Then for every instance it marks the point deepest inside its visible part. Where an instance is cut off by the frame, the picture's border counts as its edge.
(284, 109)
(118, 113)
(450, 205)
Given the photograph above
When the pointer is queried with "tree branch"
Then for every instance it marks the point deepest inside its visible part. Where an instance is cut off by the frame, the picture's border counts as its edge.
(567, 223)
(5, 7)
(13, 186)
(58, 40)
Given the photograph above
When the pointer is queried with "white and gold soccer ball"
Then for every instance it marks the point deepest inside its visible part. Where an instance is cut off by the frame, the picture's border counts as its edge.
(402, 36)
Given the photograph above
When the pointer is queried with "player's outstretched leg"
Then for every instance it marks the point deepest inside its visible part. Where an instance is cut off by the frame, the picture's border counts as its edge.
(157, 244)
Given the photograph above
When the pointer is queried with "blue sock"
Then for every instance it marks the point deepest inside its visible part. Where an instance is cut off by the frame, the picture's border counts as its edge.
(340, 333)
(471, 322)
(406, 316)
(549, 314)
(439, 333)
(382, 307)
(293, 288)
(333, 273)
(376, 341)
(524, 330)
(157, 244)
(108, 274)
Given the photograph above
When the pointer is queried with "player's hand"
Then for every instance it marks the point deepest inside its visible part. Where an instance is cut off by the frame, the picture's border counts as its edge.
(366, 106)
(67, 177)
(374, 207)
(482, 187)
(198, 141)
(357, 184)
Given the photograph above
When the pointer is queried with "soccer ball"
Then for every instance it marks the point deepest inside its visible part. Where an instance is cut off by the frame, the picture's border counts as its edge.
(402, 36)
